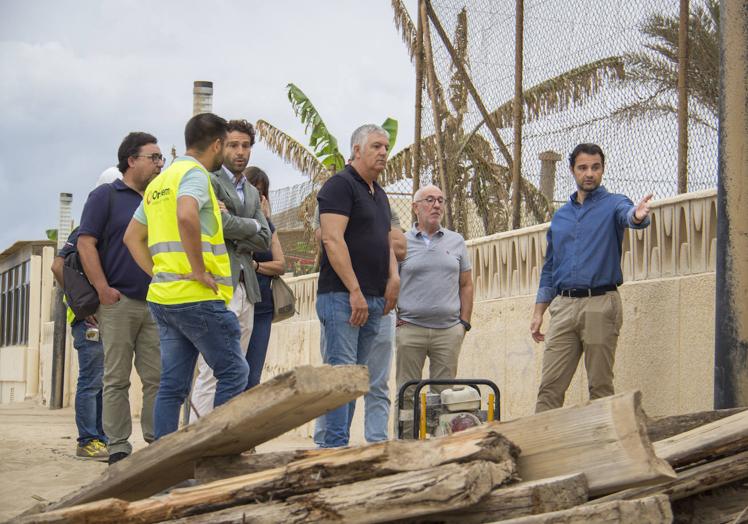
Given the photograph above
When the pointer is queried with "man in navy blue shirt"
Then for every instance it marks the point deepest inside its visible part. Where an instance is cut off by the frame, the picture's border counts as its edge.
(358, 277)
(579, 281)
(128, 330)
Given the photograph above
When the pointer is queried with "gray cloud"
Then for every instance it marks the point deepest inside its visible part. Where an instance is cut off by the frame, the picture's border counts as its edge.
(77, 76)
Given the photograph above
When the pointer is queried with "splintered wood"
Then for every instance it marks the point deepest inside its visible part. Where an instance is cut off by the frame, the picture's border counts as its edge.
(588, 463)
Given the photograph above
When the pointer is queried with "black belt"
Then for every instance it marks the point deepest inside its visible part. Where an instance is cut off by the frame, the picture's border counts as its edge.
(589, 292)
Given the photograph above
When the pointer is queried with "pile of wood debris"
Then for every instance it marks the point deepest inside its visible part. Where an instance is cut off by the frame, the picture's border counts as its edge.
(589, 463)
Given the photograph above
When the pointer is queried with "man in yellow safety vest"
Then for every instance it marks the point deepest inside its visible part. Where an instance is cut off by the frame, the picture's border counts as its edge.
(176, 235)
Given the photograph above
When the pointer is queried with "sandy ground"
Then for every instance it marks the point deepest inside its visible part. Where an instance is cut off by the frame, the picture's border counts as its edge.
(37, 455)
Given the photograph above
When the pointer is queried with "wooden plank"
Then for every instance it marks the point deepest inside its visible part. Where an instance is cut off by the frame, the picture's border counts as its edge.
(404, 495)
(650, 510)
(516, 500)
(661, 428)
(605, 439)
(331, 468)
(217, 468)
(721, 437)
(691, 481)
(718, 506)
(254, 417)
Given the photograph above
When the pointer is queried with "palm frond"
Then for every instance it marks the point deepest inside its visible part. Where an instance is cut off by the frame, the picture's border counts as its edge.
(569, 89)
(657, 65)
(404, 24)
(291, 151)
(458, 89)
(321, 140)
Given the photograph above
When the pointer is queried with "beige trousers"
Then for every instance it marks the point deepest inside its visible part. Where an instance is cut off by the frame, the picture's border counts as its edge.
(204, 390)
(588, 326)
(128, 333)
(414, 345)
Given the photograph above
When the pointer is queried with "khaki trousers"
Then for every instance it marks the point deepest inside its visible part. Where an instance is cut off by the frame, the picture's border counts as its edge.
(414, 344)
(588, 325)
(204, 390)
(128, 333)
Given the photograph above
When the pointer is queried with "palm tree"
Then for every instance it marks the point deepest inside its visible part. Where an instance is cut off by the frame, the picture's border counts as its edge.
(322, 160)
(657, 66)
(479, 184)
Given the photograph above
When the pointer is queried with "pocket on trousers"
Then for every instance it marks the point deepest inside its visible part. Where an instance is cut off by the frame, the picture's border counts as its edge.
(190, 320)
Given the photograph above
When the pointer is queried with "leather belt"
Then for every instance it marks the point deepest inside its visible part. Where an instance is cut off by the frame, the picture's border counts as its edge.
(586, 292)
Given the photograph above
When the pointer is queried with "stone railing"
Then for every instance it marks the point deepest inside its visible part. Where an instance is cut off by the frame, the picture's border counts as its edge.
(680, 241)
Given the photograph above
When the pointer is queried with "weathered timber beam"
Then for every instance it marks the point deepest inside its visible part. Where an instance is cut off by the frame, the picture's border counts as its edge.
(405, 495)
(331, 468)
(516, 500)
(256, 416)
(605, 439)
(652, 510)
(690, 481)
(661, 428)
(721, 437)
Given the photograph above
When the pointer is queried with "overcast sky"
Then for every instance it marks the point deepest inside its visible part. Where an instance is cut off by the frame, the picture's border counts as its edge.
(77, 76)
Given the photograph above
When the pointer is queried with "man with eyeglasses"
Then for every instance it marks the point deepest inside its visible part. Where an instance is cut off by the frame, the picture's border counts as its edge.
(436, 298)
(128, 331)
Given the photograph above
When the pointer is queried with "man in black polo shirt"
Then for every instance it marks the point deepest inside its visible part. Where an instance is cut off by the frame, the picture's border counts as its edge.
(127, 329)
(358, 278)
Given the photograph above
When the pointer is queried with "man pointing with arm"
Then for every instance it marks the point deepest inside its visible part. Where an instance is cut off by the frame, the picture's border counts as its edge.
(579, 281)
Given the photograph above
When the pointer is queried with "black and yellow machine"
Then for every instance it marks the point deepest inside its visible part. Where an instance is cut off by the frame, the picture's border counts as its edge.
(456, 408)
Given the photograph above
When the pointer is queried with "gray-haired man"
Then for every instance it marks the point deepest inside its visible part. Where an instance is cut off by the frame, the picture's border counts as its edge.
(358, 279)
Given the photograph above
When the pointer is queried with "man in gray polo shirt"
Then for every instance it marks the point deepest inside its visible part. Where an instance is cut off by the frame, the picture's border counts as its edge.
(436, 297)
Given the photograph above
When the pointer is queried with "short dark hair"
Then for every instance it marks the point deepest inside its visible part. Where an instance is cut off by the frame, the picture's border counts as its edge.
(130, 146)
(590, 149)
(204, 129)
(243, 127)
(257, 176)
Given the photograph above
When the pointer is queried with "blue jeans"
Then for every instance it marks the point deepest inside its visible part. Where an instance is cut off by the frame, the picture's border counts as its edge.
(346, 344)
(88, 391)
(208, 328)
(258, 346)
(377, 400)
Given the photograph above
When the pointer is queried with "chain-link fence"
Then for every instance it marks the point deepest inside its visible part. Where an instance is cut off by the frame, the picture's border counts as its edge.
(603, 72)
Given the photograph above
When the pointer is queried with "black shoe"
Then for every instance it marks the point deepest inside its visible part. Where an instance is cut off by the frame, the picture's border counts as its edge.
(116, 457)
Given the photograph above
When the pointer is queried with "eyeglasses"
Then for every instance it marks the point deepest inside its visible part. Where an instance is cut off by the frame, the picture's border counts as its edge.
(430, 200)
(155, 157)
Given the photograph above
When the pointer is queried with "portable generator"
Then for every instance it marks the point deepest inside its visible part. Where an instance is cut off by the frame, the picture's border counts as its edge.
(454, 409)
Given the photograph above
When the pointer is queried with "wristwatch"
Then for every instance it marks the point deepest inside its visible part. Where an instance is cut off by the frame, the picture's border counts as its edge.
(466, 325)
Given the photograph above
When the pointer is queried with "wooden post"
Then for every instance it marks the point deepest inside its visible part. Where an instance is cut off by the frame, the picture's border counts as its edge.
(683, 98)
(517, 113)
(434, 95)
(731, 320)
(416, 173)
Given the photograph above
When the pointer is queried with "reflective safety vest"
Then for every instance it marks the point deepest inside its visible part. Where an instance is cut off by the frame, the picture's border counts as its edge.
(170, 283)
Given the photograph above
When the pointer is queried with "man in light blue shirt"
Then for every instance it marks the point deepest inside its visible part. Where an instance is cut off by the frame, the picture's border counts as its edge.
(579, 281)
